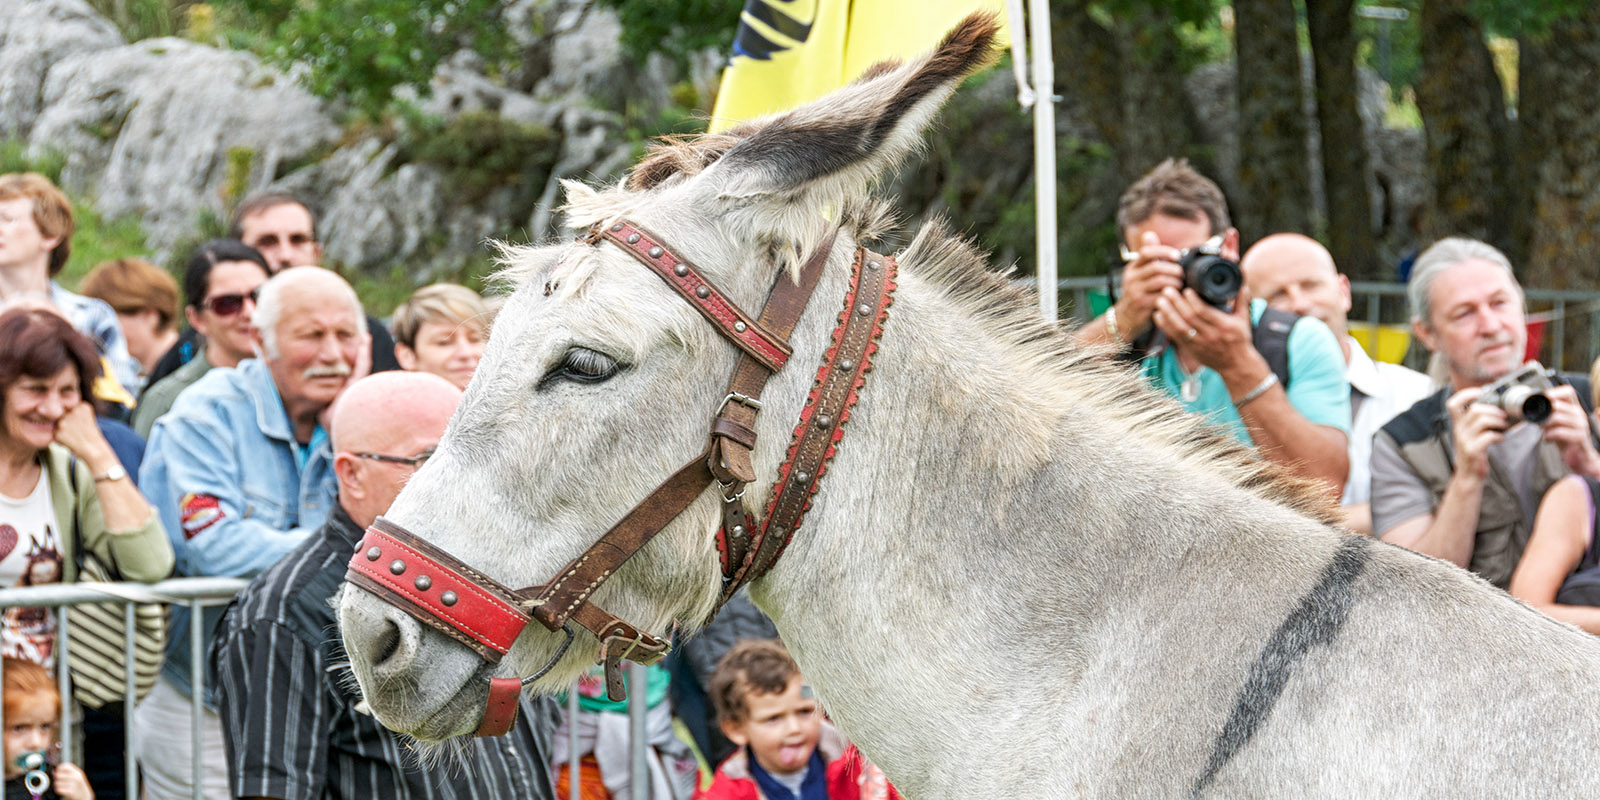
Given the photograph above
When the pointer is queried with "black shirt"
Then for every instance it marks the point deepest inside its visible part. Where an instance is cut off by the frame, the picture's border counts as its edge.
(291, 728)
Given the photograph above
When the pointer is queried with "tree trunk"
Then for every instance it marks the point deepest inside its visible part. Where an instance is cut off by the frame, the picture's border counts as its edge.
(1345, 166)
(1464, 119)
(1128, 79)
(1274, 180)
(1560, 118)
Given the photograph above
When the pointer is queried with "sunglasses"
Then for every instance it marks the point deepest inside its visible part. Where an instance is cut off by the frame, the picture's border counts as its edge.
(413, 461)
(226, 305)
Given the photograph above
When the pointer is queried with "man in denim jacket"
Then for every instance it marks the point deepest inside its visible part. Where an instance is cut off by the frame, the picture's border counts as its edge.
(241, 472)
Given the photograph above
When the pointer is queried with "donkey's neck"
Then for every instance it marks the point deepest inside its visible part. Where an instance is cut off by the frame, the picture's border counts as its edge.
(969, 534)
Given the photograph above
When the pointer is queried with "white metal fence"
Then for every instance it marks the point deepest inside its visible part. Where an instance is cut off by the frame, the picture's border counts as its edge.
(197, 593)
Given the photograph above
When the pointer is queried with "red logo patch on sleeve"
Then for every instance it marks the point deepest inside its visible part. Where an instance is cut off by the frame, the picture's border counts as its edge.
(198, 512)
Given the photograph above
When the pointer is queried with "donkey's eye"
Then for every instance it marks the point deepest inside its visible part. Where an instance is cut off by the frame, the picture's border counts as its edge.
(586, 366)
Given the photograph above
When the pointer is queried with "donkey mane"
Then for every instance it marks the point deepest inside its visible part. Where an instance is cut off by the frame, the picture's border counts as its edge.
(1060, 367)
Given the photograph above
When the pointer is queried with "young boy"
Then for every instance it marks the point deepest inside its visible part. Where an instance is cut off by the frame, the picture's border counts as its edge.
(786, 750)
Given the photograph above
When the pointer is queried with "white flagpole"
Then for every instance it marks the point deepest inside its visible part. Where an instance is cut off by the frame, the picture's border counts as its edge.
(1044, 154)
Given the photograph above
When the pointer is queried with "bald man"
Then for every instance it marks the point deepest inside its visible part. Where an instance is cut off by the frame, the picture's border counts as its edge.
(279, 638)
(1295, 273)
(241, 472)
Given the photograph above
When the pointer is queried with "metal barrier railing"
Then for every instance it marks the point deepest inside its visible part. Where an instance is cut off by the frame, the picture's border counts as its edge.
(198, 593)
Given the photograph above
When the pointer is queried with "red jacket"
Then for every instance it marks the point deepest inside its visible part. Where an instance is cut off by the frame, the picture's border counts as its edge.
(850, 775)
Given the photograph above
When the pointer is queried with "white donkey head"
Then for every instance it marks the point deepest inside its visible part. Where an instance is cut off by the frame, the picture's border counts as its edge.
(599, 381)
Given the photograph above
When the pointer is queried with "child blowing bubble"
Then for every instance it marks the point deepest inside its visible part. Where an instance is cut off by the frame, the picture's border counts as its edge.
(32, 706)
(787, 751)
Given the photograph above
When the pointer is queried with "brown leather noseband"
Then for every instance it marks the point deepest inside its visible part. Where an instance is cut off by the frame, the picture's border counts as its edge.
(487, 616)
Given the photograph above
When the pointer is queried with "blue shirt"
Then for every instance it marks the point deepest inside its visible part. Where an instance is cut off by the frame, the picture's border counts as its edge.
(1317, 385)
(95, 319)
(221, 469)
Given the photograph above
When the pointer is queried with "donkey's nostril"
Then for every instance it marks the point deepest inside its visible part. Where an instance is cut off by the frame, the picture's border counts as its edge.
(386, 643)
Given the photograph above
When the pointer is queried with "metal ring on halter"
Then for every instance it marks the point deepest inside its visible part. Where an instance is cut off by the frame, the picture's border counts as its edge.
(727, 486)
(566, 628)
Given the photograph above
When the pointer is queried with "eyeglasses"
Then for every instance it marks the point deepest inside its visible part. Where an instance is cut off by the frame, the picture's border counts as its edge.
(413, 461)
(226, 305)
(272, 240)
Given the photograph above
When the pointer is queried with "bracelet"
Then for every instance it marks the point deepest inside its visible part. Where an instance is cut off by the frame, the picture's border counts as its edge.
(1261, 388)
(1111, 324)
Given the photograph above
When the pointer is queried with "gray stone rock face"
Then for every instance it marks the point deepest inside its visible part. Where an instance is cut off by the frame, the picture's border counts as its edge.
(150, 129)
(35, 35)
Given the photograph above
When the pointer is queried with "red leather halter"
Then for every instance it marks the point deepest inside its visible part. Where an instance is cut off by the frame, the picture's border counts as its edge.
(487, 616)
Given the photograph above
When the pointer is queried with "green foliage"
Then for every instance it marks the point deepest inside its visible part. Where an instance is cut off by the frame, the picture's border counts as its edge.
(1513, 18)
(676, 28)
(361, 51)
(480, 150)
(15, 157)
(97, 239)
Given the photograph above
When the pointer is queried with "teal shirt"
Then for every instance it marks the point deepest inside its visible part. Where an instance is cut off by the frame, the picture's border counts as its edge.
(1317, 385)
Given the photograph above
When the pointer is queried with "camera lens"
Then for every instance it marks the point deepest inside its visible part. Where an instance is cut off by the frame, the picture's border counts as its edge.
(1214, 278)
(1536, 409)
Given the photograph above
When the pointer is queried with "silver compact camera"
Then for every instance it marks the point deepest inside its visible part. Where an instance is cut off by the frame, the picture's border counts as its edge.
(1524, 394)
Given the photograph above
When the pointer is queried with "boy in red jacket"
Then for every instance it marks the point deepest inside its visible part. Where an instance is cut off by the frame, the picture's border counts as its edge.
(786, 750)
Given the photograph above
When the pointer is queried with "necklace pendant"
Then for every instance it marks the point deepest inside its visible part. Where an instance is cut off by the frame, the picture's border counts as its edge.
(1189, 390)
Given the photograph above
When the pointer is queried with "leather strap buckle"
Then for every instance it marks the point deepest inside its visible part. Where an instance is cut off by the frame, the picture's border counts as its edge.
(742, 399)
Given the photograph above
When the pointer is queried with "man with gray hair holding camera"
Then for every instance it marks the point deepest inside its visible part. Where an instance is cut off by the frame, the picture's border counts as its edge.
(1459, 476)
(1272, 379)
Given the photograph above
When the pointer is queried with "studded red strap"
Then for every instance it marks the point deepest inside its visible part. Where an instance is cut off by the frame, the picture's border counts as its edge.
(747, 334)
(437, 589)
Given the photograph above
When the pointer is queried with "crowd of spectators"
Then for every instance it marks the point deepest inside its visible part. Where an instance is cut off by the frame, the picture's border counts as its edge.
(273, 418)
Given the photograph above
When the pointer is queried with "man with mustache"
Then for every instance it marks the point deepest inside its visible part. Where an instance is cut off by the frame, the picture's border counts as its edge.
(1453, 478)
(242, 471)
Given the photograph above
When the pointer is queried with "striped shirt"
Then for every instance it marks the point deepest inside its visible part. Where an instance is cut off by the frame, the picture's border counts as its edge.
(291, 728)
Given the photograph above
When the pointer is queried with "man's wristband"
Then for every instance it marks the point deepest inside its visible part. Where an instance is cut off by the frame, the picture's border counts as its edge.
(1261, 388)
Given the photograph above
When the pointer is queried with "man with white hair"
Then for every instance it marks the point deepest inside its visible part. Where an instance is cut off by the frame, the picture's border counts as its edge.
(280, 638)
(1457, 479)
(241, 472)
(1295, 273)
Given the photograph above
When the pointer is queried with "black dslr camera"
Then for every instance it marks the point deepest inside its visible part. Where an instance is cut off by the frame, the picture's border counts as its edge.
(1524, 394)
(1211, 275)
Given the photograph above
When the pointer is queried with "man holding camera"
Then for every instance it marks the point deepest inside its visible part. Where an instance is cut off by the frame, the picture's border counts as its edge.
(1459, 476)
(1205, 353)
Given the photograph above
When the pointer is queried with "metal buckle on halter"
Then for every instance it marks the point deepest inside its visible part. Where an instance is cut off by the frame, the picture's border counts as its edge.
(741, 399)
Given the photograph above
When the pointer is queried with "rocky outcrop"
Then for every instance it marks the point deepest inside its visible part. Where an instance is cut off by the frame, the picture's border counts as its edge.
(35, 37)
(170, 131)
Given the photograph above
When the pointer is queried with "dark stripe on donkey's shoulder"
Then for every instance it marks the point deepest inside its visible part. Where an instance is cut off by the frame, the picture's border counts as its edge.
(1316, 620)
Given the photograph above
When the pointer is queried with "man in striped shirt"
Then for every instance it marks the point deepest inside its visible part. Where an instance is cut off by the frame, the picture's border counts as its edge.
(291, 718)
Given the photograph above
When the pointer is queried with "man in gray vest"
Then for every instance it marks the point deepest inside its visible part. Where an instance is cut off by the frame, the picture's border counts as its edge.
(1457, 479)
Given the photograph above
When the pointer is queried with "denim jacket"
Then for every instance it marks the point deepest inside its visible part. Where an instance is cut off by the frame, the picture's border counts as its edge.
(221, 469)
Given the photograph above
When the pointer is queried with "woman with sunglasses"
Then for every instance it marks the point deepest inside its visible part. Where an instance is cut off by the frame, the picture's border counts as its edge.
(220, 283)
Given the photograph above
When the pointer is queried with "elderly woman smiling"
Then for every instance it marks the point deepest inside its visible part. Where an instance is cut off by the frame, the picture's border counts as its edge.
(61, 486)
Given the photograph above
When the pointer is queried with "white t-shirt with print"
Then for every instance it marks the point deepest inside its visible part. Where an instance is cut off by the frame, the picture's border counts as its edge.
(30, 555)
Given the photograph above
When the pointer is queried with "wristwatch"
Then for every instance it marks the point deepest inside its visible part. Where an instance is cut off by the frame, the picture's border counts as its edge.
(116, 473)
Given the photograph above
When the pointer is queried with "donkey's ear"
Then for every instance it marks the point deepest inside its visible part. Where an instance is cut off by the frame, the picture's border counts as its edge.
(832, 148)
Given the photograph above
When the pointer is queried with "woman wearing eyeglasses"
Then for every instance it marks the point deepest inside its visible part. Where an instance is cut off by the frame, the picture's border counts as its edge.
(220, 283)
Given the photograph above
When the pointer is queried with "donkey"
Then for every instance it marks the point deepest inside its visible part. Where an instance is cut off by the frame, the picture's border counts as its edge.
(1023, 575)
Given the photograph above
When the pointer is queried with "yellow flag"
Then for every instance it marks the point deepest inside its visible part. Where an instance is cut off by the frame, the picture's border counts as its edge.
(790, 52)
